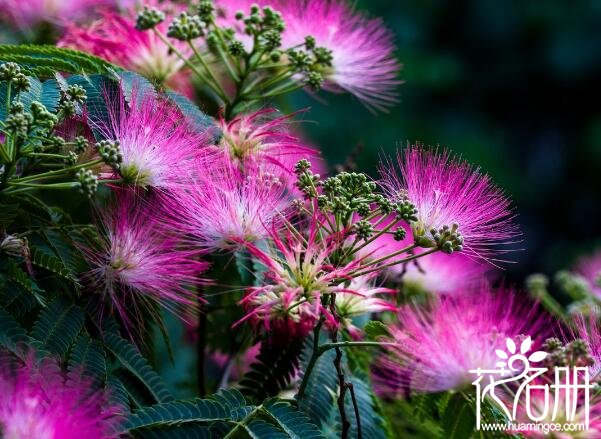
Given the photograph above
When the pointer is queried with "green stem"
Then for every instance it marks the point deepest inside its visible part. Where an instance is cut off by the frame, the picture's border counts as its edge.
(358, 273)
(243, 422)
(185, 60)
(224, 55)
(57, 172)
(47, 155)
(216, 85)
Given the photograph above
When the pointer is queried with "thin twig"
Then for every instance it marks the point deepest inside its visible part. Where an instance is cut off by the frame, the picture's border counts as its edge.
(351, 389)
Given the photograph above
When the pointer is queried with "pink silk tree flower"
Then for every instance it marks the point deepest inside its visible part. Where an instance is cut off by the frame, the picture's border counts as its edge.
(25, 15)
(361, 297)
(142, 261)
(458, 207)
(590, 269)
(298, 272)
(434, 350)
(443, 274)
(225, 209)
(263, 138)
(588, 330)
(38, 402)
(115, 38)
(159, 149)
(362, 49)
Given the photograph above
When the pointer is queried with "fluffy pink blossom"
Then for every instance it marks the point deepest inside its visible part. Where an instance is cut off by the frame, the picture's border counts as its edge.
(298, 272)
(361, 297)
(38, 402)
(450, 193)
(589, 330)
(362, 49)
(159, 149)
(444, 274)
(590, 269)
(434, 350)
(115, 38)
(26, 14)
(141, 262)
(225, 208)
(263, 138)
(363, 62)
(436, 273)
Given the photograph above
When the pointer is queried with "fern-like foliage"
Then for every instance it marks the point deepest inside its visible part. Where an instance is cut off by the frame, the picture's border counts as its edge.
(131, 359)
(58, 325)
(88, 359)
(272, 371)
(12, 335)
(318, 401)
(295, 423)
(226, 405)
(44, 60)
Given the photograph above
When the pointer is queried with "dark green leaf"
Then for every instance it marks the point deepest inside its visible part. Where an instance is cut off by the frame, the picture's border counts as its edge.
(295, 423)
(58, 325)
(132, 360)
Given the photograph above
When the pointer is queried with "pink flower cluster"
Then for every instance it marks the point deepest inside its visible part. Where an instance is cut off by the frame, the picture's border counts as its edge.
(38, 401)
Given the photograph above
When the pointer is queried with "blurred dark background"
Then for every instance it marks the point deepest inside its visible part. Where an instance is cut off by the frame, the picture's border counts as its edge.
(512, 86)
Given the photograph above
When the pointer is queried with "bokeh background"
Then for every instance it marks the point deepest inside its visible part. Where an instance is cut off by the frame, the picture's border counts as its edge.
(512, 86)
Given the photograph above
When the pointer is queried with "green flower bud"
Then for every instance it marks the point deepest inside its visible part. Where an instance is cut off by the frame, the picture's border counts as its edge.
(148, 18)
(236, 48)
(275, 56)
(302, 166)
(206, 9)
(9, 70)
(81, 144)
(363, 229)
(309, 42)
(400, 234)
(110, 153)
(185, 27)
(88, 182)
(323, 56)
(76, 93)
(21, 82)
(18, 124)
(271, 39)
(71, 158)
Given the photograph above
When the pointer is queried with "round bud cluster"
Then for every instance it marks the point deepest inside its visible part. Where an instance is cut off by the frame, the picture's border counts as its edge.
(448, 239)
(71, 158)
(307, 182)
(312, 61)
(148, 18)
(71, 98)
(206, 10)
(76, 93)
(266, 25)
(81, 144)
(186, 27)
(88, 182)
(110, 153)
(574, 285)
(18, 123)
(573, 354)
(405, 210)
(236, 48)
(400, 234)
(56, 142)
(42, 117)
(11, 72)
(363, 229)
